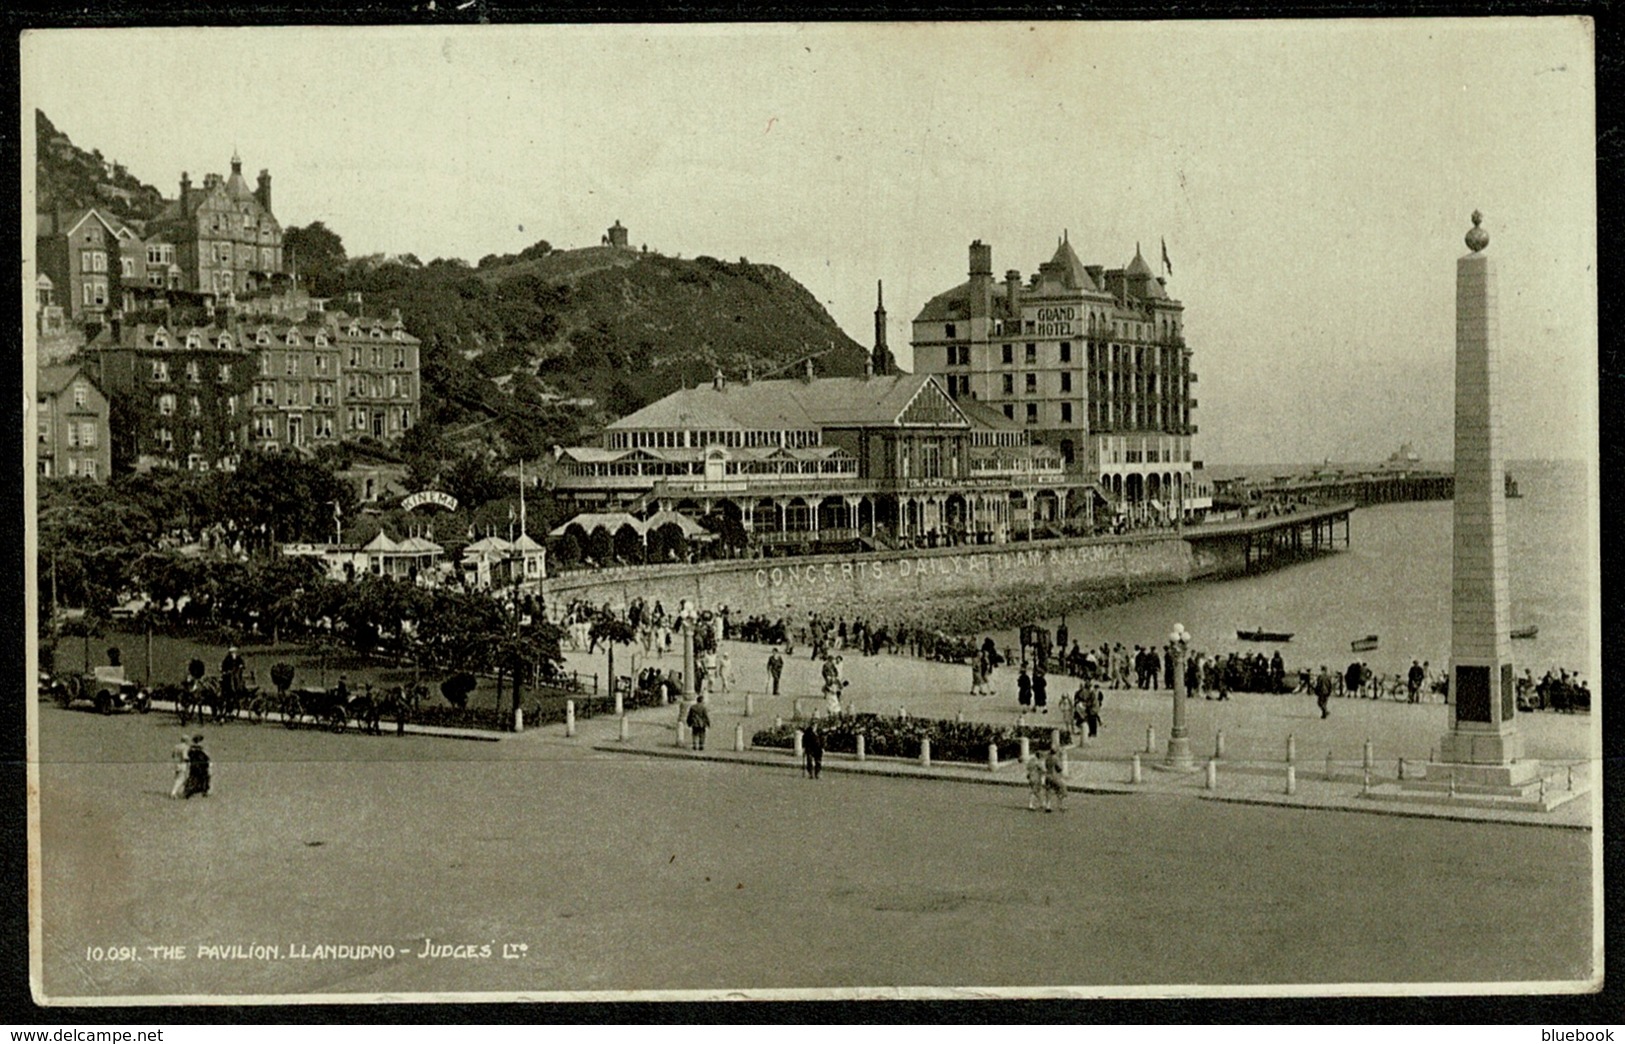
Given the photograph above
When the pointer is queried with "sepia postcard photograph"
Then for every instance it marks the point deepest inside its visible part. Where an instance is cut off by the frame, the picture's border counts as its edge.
(811, 511)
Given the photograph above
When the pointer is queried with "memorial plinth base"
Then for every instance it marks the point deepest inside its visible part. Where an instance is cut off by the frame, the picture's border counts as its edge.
(1516, 785)
(1471, 749)
(1179, 758)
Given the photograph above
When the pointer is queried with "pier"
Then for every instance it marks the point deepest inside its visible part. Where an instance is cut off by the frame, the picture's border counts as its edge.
(1249, 545)
(1363, 488)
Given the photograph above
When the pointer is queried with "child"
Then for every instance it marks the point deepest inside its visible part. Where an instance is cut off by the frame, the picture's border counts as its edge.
(1037, 785)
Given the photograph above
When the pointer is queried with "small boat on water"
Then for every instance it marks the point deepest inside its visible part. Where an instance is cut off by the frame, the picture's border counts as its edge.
(1366, 644)
(1264, 636)
(1526, 632)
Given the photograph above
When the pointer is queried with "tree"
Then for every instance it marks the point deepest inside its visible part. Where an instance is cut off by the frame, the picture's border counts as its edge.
(291, 497)
(611, 630)
(317, 253)
(474, 481)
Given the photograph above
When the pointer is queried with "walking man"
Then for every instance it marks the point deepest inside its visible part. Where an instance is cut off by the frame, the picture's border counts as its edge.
(699, 720)
(812, 751)
(775, 668)
(1323, 690)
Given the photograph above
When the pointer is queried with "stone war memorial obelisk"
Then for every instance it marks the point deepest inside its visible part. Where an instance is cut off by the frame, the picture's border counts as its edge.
(1483, 747)
(1481, 758)
(1482, 752)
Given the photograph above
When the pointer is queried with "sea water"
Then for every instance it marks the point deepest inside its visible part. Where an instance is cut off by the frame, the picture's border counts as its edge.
(1393, 581)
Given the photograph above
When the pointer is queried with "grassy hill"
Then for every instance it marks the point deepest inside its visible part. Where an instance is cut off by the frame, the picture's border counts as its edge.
(553, 346)
(69, 178)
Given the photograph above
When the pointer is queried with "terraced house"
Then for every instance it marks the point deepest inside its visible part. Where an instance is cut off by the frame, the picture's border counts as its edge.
(72, 417)
(199, 397)
(178, 395)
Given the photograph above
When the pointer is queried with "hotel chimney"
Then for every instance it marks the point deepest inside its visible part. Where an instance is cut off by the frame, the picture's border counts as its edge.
(981, 280)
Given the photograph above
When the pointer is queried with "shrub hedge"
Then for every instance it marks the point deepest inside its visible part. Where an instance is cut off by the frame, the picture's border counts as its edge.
(900, 737)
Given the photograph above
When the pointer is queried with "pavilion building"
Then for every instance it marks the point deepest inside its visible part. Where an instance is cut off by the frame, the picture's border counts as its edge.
(804, 462)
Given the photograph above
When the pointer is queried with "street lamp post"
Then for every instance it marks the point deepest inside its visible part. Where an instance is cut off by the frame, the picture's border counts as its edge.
(1179, 743)
(686, 617)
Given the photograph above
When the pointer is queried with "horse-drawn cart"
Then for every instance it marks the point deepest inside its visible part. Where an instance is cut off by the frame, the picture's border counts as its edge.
(323, 707)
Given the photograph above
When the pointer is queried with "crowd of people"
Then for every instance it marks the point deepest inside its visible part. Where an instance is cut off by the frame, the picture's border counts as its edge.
(1041, 653)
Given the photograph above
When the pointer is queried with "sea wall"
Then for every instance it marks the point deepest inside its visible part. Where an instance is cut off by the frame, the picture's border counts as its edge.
(891, 580)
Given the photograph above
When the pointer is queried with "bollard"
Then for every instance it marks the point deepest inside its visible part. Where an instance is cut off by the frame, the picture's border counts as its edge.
(1291, 779)
(1065, 768)
(959, 716)
(796, 750)
(1543, 788)
(750, 705)
(1150, 739)
(1218, 744)
(1026, 750)
(1402, 769)
(1328, 764)
(682, 734)
(1571, 777)
(862, 747)
(739, 738)
(993, 757)
(925, 751)
(778, 722)
(1212, 774)
(1021, 720)
(1452, 782)
(620, 703)
(1054, 739)
(626, 730)
(902, 712)
(569, 717)
(1291, 748)
(1365, 783)
(1134, 770)
(519, 719)
(1367, 757)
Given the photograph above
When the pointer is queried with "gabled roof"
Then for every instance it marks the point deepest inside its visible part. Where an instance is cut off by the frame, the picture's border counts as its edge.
(74, 218)
(54, 380)
(783, 405)
(984, 417)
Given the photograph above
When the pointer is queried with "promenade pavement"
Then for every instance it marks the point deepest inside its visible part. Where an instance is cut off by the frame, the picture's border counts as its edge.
(1329, 762)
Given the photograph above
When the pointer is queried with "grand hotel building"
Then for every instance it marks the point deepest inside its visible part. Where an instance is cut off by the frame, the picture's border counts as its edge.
(1089, 361)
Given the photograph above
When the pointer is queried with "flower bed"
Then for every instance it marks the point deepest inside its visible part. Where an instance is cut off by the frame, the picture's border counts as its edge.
(964, 741)
(545, 709)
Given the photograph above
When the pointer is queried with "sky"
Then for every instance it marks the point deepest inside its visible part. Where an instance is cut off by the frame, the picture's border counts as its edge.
(1312, 180)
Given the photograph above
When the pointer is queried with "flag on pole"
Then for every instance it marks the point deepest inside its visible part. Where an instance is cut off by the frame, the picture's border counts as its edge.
(1167, 264)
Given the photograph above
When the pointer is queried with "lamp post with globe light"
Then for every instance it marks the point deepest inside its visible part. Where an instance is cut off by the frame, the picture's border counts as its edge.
(1179, 743)
(686, 617)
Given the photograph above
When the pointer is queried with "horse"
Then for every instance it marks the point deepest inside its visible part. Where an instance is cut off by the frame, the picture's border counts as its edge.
(192, 697)
(365, 710)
